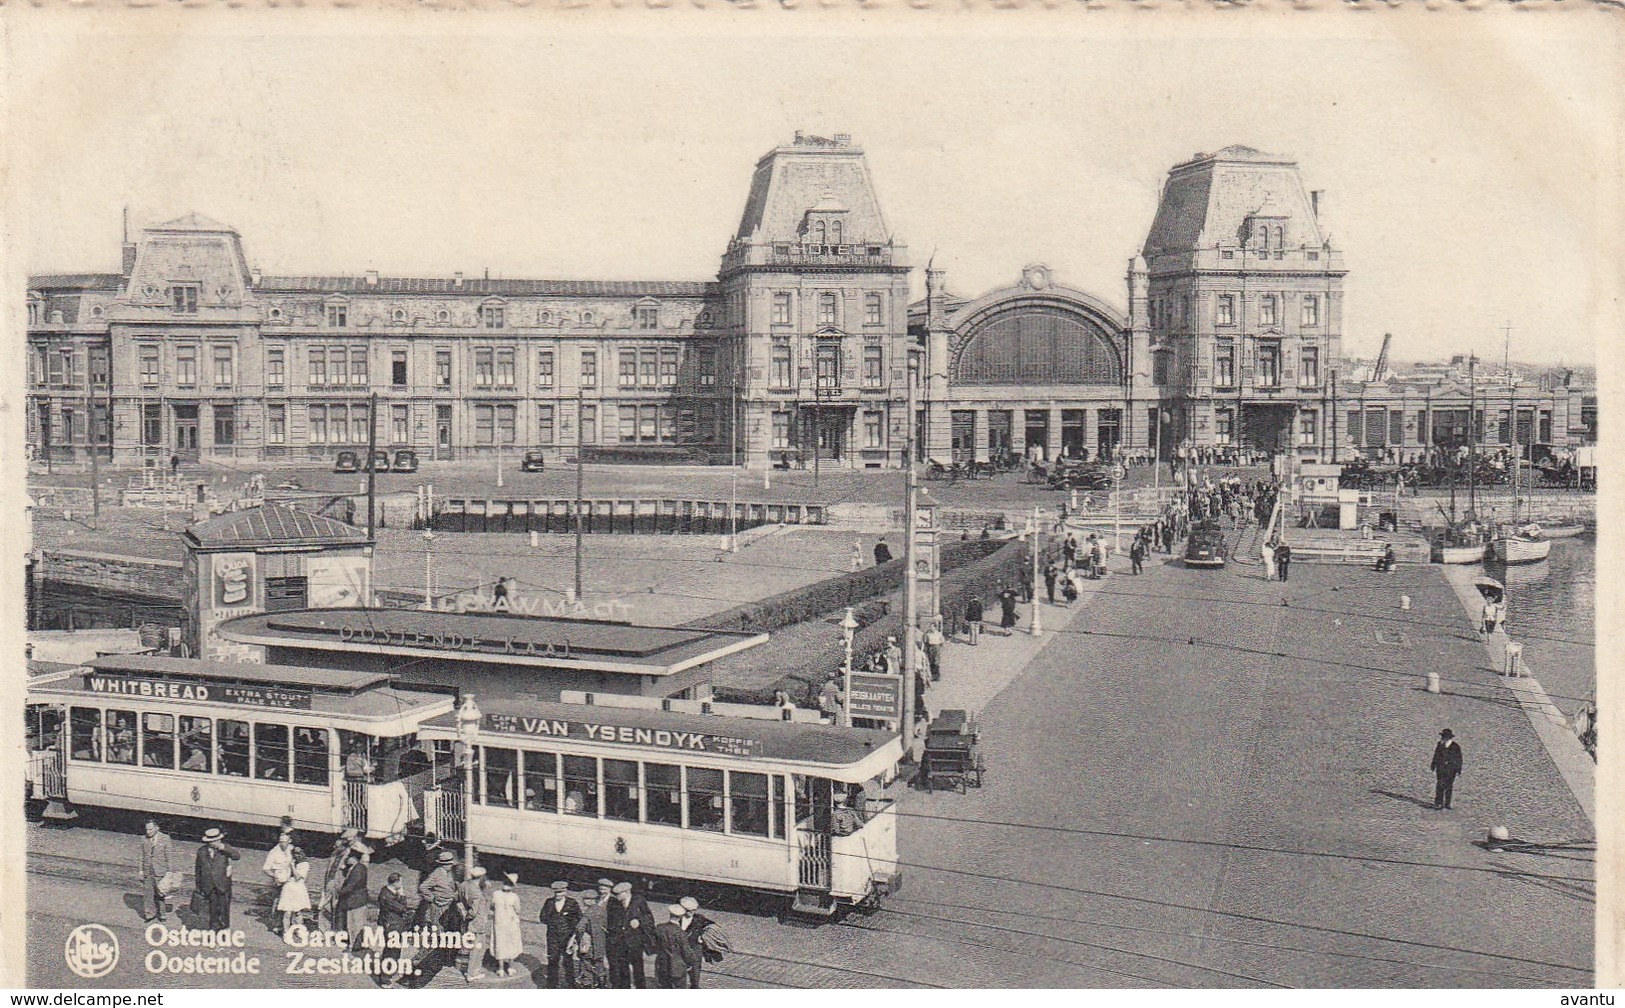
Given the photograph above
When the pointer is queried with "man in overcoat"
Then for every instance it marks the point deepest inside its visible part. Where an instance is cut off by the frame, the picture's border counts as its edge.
(1446, 766)
(154, 866)
(631, 928)
(673, 950)
(560, 915)
(213, 875)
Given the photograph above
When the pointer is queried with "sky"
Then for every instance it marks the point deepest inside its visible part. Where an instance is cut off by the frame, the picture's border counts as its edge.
(1470, 163)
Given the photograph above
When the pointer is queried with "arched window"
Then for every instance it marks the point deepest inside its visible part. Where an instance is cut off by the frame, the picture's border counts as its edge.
(835, 233)
(818, 234)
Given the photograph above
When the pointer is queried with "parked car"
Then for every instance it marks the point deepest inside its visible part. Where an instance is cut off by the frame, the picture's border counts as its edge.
(346, 461)
(406, 460)
(380, 461)
(534, 461)
(1205, 547)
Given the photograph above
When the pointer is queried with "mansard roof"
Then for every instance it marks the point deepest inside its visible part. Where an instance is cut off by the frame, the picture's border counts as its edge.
(193, 222)
(811, 173)
(1207, 200)
(76, 281)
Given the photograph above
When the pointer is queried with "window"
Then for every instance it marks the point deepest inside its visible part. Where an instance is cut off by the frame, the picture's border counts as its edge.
(397, 368)
(501, 776)
(1545, 434)
(399, 425)
(270, 752)
(621, 790)
(234, 748)
(276, 368)
(121, 737)
(819, 232)
(186, 365)
(628, 369)
(484, 367)
(781, 375)
(747, 803)
(505, 368)
(1267, 314)
(874, 373)
(485, 424)
(1309, 367)
(589, 425)
(628, 417)
(493, 316)
(581, 785)
(360, 424)
(1356, 428)
(873, 430)
(705, 799)
(1422, 426)
(828, 363)
(507, 428)
(310, 757)
(541, 781)
(648, 368)
(1223, 425)
(99, 371)
(1227, 309)
(781, 308)
(197, 744)
(59, 367)
(1160, 367)
(1309, 426)
(668, 368)
(276, 424)
(225, 425)
(1224, 365)
(85, 734)
(663, 794)
(1376, 427)
(442, 368)
(781, 429)
(222, 366)
(708, 366)
(318, 425)
(544, 369)
(1311, 309)
(545, 430)
(152, 424)
(826, 309)
(318, 367)
(358, 366)
(183, 298)
(871, 310)
(148, 366)
(646, 316)
(287, 592)
(835, 232)
(589, 369)
(586, 318)
(1269, 366)
(1396, 427)
(338, 316)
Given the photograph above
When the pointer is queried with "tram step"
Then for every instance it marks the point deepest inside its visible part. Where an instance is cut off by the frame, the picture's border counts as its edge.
(813, 902)
(59, 810)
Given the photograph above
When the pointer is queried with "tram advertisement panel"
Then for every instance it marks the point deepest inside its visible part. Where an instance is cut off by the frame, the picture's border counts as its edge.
(245, 694)
(719, 745)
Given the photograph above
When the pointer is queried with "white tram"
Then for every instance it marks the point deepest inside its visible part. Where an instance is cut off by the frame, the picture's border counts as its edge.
(319, 749)
(740, 801)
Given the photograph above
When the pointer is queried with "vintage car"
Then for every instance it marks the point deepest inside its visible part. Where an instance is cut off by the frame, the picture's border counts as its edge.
(347, 462)
(406, 460)
(534, 461)
(1205, 547)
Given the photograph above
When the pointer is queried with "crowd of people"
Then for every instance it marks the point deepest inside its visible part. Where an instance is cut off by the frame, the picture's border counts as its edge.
(605, 939)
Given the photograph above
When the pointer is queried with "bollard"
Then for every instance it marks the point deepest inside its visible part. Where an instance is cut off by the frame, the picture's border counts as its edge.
(570, 595)
(1404, 603)
(533, 539)
(1433, 682)
(1514, 659)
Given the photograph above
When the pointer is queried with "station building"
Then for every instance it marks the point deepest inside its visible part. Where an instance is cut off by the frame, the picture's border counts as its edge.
(798, 348)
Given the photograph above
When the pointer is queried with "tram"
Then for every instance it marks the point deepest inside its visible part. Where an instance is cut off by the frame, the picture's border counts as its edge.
(770, 805)
(316, 749)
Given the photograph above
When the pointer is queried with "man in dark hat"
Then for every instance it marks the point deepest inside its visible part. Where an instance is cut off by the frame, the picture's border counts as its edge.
(631, 928)
(1445, 766)
(213, 871)
(560, 914)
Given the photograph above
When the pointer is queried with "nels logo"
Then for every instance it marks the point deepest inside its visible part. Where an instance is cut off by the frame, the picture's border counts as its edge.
(92, 951)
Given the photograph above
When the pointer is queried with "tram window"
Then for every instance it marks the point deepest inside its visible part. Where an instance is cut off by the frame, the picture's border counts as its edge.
(44, 727)
(581, 785)
(778, 806)
(271, 751)
(747, 802)
(541, 781)
(310, 756)
(705, 799)
(85, 733)
(158, 740)
(664, 784)
(121, 737)
(501, 770)
(234, 748)
(621, 790)
(197, 743)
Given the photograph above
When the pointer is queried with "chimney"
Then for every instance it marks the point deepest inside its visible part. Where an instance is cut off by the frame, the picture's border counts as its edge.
(799, 136)
(372, 278)
(457, 280)
(933, 298)
(254, 277)
(843, 138)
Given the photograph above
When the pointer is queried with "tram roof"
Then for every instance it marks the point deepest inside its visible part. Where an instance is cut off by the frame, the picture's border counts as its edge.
(333, 680)
(764, 739)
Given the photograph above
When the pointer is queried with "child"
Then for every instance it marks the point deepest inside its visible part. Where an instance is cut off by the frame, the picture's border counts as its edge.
(585, 961)
(294, 899)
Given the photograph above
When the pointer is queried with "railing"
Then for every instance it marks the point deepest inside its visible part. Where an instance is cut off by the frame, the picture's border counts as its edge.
(814, 863)
(355, 805)
(444, 813)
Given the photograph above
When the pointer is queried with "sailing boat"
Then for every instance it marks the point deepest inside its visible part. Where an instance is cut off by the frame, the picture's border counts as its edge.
(1463, 542)
(1525, 543)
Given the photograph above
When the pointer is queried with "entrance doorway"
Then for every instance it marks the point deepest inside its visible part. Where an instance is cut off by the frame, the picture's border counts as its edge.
(963, 435)
(1108, 433)
(442, 432)
(825, 431)
(186, 431)
(999, 424)
(1268, 428)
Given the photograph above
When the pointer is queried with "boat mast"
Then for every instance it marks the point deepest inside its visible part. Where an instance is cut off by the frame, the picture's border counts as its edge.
(1472, 447)
(1512, 416)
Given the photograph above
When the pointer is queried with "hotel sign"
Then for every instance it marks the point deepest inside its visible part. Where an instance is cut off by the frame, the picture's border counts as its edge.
(279, 697)
(588, 731)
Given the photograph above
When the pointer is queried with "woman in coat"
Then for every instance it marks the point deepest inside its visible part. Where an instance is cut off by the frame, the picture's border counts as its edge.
(352, 896)
(506, 941)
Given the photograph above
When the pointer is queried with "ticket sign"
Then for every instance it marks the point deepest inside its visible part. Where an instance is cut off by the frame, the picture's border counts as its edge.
(876, 696)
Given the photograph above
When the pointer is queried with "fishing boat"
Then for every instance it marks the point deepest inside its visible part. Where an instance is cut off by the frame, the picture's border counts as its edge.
(1521, 544)
(1445, 552)
(1517, 549)
(1564, 531)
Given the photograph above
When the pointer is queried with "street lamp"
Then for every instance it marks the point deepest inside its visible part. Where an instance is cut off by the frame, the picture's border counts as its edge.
(428, 568)
(849, 628)
(1037, 628)
(468, 729)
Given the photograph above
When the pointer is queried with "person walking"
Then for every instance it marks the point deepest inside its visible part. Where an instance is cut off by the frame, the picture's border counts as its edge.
(631, 926)
(1049, 581)
(1007, 610)
(559, 916)
(507, 939)
(353, 898)
(973, 620)
(1283, 560)
(673, 950)
(1026, 580)
(894, 657)
(882, 552)
(293, 899)
(934, 640)
(1097, 565)
(213, 877)
(707, 939)
(438, 909)
(1069, 550)
(155, 883)
(334, 876)
(474, 900)
(1136, 556)
(1446, 767)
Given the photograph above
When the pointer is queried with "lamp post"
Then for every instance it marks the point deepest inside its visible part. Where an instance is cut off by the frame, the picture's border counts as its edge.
(468, 728)
(428, 569)
(849, 628)
(1037, 629)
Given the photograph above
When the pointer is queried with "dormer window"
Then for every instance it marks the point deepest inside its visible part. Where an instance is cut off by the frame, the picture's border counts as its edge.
(835, 237)
(818, 233)
(183, 298)
(646, 317)
(275, 314)
(705, 319)
(493, 316)
(338, 315)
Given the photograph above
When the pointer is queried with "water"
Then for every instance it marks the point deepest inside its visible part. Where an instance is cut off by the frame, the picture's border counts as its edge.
(1552, 608)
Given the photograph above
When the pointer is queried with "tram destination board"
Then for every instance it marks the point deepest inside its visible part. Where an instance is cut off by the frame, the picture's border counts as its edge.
(282, 697)
(659, 738)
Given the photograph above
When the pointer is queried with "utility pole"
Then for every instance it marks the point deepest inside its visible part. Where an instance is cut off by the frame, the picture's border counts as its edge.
(1038, 616)
(95, 460)
(1334, 416)
(428, 568)
(911, 592)
(733, 489)
(372, 462)
(579, 478)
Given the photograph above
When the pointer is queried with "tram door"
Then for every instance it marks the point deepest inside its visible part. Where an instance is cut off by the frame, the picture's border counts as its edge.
(47, 757)
(814, 803)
